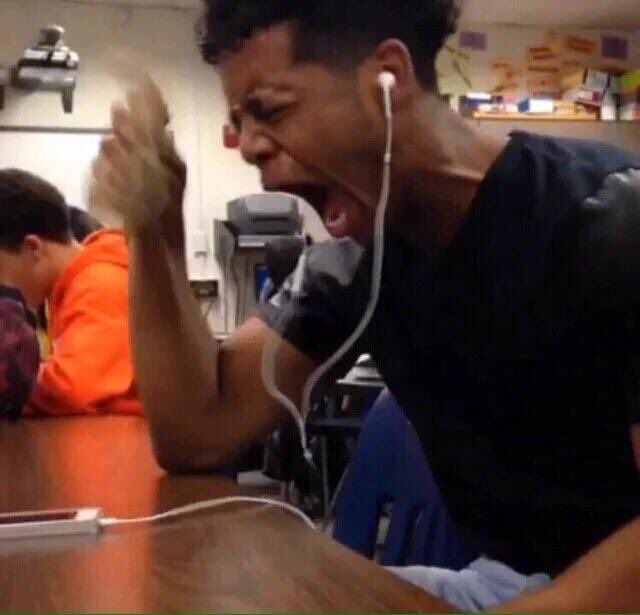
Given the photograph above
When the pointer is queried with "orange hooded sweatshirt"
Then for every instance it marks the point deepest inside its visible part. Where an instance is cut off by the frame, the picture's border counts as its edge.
(90, 370)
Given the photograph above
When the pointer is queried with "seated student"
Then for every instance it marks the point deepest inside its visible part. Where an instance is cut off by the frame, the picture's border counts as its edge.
(19, 352)
(90, 369)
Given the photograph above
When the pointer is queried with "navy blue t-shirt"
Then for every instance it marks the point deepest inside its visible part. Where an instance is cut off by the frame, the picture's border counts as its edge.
(516, 354)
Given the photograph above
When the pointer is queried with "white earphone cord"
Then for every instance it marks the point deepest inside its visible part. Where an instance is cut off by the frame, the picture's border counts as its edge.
(273, 342)
(207, 505)
(274, 339)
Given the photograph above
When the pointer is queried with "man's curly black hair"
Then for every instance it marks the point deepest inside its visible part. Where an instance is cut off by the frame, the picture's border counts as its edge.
(337, 32)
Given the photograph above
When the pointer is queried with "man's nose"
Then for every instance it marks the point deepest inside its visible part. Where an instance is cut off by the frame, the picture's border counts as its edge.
(255, 146)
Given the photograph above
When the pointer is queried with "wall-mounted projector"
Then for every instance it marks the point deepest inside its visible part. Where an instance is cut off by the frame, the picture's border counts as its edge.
(49, 66)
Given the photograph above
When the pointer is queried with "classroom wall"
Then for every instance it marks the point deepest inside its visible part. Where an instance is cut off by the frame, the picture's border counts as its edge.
(164, 42)
(509, 44)
(475, 71)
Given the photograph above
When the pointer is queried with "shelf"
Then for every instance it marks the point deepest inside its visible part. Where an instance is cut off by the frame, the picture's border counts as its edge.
(533, 117)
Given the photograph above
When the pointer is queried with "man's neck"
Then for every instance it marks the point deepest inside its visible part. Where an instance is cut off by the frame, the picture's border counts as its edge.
(444, 160)
(63, 255)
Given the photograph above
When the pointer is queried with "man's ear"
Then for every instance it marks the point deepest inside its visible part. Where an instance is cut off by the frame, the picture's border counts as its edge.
(33, 245)
(394, 57)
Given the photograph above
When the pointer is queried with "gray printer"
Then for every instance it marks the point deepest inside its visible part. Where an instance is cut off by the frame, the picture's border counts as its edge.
(255, 220)
(265, 214)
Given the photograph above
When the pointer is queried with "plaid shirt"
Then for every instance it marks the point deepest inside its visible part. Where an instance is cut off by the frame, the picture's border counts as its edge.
(19, 352)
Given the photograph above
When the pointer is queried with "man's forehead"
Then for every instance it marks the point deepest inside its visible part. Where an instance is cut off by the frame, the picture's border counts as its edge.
(261, 59)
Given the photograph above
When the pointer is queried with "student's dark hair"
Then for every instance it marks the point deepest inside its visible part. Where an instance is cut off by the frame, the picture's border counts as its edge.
(30, 206)
(337, 32)
(82, 224)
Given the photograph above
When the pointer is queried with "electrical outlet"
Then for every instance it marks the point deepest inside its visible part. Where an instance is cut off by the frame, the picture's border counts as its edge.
(204, 289)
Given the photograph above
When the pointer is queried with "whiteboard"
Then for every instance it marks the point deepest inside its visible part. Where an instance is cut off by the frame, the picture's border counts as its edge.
(61, 157)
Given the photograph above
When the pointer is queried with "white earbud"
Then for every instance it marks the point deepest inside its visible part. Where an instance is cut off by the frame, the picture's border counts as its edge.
(387, 80)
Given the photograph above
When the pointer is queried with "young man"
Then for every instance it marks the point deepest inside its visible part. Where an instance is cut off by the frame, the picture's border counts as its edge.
(508, 321)
(90, 369)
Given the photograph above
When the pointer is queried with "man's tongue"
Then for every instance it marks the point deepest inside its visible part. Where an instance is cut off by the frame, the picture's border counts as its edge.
(336, 215)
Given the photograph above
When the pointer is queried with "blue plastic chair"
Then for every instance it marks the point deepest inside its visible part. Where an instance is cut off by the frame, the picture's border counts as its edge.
(390, 467)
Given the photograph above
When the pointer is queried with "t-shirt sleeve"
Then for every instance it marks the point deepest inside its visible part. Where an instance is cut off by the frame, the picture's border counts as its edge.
(329, 304)
(607, 271)
(19, 353)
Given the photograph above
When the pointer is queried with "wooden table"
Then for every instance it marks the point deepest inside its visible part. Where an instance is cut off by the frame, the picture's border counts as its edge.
(243, 558)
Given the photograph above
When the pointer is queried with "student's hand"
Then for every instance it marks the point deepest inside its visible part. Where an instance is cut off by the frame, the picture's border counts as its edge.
(139, 175)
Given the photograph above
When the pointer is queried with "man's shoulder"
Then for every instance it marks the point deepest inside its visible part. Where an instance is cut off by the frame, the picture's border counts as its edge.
(589, 204)
(565, 208)
(597, 154)
(574, 169)
(573, 185)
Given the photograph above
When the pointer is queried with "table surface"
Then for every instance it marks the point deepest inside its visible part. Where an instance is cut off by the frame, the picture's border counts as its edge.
(240, 558)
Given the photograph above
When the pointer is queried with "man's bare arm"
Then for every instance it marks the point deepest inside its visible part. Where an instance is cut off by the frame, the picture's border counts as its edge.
(204, 402)
(606, 580)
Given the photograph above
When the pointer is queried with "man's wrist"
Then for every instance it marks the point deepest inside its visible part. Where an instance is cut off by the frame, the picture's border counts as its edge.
(148, 245)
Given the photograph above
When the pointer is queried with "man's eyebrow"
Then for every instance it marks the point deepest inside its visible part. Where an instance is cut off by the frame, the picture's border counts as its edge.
(252, 102)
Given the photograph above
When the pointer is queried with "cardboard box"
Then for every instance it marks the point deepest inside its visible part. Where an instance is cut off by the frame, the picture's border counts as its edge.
(542, 84)
(571, 77)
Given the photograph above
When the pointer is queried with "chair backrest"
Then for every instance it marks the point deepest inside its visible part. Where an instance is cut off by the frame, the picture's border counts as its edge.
(390, 467)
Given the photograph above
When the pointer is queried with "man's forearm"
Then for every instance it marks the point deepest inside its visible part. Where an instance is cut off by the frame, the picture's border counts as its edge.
(605, 580)
(174, 354)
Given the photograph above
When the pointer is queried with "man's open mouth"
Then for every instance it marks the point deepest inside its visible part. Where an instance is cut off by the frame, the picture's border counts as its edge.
(332, 205)
(314, 194)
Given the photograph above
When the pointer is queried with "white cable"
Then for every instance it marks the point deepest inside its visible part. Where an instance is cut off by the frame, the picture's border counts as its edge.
(206, 505)
(378, 261)
(269, 356)
(273, 340)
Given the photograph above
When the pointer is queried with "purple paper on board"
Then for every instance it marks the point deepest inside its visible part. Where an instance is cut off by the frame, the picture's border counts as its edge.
(473, 40)
(615, 48)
